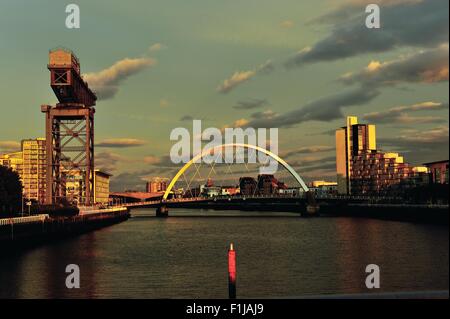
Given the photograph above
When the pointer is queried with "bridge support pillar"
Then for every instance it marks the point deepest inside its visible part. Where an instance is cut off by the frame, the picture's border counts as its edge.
(162, 211)
(312, 208)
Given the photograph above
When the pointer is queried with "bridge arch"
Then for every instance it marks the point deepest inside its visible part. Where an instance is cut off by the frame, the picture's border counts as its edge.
(248, 146)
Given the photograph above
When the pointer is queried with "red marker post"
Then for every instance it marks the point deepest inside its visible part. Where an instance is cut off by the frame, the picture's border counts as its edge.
(231, 272)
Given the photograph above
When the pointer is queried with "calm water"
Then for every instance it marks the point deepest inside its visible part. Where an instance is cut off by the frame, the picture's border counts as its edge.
(277, 255)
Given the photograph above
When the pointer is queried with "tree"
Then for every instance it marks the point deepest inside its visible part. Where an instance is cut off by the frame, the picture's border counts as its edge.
(10, 192)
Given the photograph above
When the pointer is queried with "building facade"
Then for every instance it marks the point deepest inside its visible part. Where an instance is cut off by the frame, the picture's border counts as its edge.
(291, 191)
(210, 191)
(269, 185)
(30, 164)
(323, 188)
(438, 172)
(230, 190)
(74, 187)
(247, 185)
(350, 141)
(34, 169)
(364, 170)
(378, 172)
(101, 187)
(156, 185)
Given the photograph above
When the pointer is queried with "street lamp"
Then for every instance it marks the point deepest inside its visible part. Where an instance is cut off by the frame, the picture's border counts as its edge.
(29, 207)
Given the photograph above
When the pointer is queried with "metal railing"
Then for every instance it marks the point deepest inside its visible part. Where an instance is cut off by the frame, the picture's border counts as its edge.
(23, 220)
(91, 210)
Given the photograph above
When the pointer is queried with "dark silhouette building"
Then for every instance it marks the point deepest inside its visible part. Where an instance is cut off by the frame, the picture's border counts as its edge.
(269, 185)
(247, 186)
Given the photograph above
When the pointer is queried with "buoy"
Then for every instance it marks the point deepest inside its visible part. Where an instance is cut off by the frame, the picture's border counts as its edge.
(232, 272)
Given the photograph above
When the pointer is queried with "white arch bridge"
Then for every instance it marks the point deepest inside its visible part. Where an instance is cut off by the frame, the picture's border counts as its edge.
(305, 205)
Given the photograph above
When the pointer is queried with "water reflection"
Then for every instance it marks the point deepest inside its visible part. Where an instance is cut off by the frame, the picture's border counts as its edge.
(276, 257)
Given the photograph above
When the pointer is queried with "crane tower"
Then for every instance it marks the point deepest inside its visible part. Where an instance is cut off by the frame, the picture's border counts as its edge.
(69, 130)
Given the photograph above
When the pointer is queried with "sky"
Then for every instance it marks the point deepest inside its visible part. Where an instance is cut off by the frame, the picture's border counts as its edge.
(300, 66)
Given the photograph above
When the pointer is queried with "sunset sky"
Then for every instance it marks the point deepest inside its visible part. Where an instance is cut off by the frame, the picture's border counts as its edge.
(300, 66)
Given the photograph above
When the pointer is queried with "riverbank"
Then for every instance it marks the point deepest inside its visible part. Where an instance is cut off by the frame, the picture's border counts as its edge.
(28, 231)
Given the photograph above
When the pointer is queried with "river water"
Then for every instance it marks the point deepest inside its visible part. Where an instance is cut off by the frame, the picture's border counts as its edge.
(278, 255)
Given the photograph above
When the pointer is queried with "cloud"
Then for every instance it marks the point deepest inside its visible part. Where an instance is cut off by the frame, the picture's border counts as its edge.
(250, 104)
(152, 159)
(407, 119)
(399, 114)
(136, 180)
(121, 142)
(287, 24)
(186, 118)
(266, 67)
(349, 8)
(128, 181)
(189, 118)
(420, 146)
(314, 162)
(316, 168)
(323, 109)
(10, 146)
(157, 47)
(426, 66)
(307, 150)
(419, 140)
(240, 77)
(106, 82)
(163, 162)
(404, 23)
(236, 79)
(326, 132)
(164, 103)
(107, 161)
(156, 166)
(266, 115)
(240, 123)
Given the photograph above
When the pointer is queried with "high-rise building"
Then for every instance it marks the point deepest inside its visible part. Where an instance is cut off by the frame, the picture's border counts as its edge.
(34, 169)
(156, 185)
(351, 140)
(362, 169)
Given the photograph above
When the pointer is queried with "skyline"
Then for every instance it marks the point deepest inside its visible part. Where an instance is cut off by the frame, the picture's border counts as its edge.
(217, 68)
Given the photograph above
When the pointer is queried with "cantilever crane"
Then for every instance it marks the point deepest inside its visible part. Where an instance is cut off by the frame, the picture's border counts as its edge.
(66, 81)
(69, 132)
